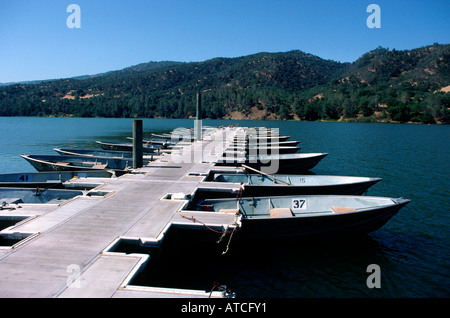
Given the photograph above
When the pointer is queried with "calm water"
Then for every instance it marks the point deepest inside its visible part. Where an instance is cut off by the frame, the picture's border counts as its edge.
(412, 249)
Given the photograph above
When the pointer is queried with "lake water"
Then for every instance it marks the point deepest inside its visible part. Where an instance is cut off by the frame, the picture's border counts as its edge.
(412, 250)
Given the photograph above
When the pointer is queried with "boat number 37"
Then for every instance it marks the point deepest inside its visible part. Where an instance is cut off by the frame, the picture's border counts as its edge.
(298, 204)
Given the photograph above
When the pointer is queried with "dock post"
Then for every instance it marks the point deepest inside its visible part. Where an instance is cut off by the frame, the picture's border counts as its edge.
(137, 144)
(198, 120)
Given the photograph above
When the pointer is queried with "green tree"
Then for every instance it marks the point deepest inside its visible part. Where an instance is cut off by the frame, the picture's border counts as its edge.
(399, 111)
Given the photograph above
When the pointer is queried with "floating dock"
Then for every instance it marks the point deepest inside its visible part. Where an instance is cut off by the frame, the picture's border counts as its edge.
(67, 250)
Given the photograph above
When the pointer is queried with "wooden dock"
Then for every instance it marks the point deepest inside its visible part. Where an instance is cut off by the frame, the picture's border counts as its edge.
(66, 250)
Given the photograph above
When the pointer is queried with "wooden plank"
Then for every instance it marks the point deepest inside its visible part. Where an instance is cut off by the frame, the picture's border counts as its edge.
(280, 212)
(342, 209)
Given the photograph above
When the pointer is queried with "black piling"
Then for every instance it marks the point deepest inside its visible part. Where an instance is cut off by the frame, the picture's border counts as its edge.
(137, 144)
(198, 117)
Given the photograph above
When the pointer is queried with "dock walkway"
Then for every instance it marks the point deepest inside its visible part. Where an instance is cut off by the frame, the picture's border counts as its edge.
(71, 240)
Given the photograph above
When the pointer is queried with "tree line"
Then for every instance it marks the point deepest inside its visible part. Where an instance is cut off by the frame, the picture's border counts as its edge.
(383, 85)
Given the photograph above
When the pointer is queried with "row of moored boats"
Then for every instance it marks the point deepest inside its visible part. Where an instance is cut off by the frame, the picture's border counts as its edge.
(286, 202)
(290, 202)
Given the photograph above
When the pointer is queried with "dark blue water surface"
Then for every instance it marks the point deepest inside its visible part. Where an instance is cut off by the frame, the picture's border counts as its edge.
(412, 250)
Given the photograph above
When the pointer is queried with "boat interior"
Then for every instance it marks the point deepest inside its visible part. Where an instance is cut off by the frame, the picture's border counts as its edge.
(290, 205)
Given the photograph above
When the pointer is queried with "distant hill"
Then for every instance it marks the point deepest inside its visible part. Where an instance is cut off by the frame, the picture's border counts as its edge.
(382, 85)
(391, 85)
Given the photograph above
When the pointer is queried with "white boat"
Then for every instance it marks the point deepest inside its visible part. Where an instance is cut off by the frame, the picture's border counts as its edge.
(10, 196)
(50, 179)
(115, 146)
(305, 215)
(77, 163)
(279, 185)
(105, 154)
(283, 163)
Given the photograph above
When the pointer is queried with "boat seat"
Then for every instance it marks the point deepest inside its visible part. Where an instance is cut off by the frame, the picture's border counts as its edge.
(61, 163)
(280, 212)
(233, 211)
(99, 166)
(342, 209)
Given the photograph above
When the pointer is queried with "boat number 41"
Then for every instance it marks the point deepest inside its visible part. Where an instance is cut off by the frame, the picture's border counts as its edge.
(24, 178)
(298, 204)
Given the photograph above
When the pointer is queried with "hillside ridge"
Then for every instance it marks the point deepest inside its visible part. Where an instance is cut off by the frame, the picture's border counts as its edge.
(382, 85)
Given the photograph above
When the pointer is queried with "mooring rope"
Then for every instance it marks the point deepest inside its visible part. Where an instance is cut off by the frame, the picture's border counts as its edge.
(229, 241)
(215, 231)
(209, 228)
(222, 288)
(5, 206)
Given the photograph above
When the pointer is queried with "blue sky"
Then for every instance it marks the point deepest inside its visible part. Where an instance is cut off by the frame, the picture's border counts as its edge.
(35, 42)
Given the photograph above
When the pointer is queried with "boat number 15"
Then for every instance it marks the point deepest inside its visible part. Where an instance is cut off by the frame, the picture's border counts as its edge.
(298, 204)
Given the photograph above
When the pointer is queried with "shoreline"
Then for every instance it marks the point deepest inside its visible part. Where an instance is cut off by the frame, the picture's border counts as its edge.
(359, 120)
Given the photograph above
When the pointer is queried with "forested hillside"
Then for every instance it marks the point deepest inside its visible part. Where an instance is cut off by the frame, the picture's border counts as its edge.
(382, 85)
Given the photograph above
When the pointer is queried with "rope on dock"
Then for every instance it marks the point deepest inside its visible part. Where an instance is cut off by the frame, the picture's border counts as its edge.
(229, 241)
(5, 206)
(215, 231)
(209, 228)
(221, 288)
(238, 198)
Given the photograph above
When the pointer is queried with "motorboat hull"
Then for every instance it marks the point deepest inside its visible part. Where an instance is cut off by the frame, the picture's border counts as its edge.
(36, 196)
(320, 227)
(54, 179)
(282, 185)
(125, 147)
(287, 163)
(315, 221)
(44, 163)
(103, 153)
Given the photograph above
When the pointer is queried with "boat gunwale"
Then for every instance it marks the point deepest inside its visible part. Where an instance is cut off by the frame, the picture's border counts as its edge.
(72, 165)
(367, 180)
(395, 202)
